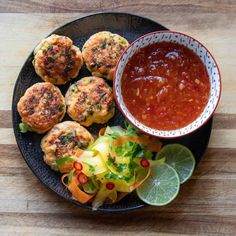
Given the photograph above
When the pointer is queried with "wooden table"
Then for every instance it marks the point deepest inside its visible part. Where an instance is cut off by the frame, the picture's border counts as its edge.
(206, 205)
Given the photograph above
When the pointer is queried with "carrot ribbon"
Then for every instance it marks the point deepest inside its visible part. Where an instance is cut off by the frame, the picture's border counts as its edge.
(73, 187)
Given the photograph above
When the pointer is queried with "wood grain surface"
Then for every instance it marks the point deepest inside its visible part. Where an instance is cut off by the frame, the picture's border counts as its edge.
(206, 204)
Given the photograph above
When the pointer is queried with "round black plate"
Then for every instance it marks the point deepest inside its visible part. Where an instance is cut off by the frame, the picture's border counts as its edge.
(129, 26)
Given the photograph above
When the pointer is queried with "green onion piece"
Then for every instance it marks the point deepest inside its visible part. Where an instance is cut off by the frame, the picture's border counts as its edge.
(89, 187)
(24, 127)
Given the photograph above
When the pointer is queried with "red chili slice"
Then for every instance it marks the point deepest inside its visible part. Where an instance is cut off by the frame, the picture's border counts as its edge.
(144, 163)
(78, 166)
(82, 178)
(110, 185)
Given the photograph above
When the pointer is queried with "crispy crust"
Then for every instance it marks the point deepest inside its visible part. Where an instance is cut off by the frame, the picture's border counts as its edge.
(42, 106)
(101, 53)
(90, 100)
(57, 60)
(64, 139)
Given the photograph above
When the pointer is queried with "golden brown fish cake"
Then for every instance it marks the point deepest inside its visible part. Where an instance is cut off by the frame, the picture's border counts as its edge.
(101, 53)
(90, 100)
(63, 140)
(41, 107)
(57, 60)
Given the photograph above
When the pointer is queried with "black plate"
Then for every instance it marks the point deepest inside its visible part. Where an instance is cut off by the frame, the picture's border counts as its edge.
(129, 26)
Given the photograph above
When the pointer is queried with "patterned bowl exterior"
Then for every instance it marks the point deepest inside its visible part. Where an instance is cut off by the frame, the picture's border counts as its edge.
(206, 58)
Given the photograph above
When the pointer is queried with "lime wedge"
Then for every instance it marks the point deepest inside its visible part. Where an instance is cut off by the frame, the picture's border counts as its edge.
(161, 187)
(180, 158)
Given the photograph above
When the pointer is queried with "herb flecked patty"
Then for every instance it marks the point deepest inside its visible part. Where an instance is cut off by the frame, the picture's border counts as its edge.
(57, 60)
(41, 107)
(63, 140)
(101, 53)
(90, 100)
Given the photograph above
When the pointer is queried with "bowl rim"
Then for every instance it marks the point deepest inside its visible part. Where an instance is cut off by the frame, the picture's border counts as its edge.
(115, 83)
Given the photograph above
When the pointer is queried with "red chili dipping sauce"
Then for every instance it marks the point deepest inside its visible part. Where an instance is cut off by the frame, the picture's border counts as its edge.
(165, 86)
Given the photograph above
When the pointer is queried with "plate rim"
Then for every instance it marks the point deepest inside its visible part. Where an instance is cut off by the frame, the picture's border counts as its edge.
(115, 210)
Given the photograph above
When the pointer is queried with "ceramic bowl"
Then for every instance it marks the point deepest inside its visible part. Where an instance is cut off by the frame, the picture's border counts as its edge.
(205, 56)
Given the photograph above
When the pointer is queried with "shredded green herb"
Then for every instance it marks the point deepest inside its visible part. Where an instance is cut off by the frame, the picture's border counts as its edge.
(132, 166)
(50, 59)
(119, 150)
(121, 167)
(91, 167)
(110, 161)
(128, 149)
(111, 176)
(90, 111)
(132, 150)
(91, 185)
(63, 160)
(66, 138)
(130, 130)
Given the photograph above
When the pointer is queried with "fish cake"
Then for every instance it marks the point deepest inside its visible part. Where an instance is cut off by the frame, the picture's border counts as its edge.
(57, 60)
(41, 107)
(90, 100)
(63, 140)
(101, 53)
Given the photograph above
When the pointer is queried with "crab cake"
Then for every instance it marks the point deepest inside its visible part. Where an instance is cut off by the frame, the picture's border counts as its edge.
(63, 140)
(90, 100)
(41, 107)
(101, 53)
(57, 60)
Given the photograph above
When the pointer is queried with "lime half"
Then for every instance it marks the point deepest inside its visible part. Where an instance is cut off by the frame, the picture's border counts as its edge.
(180, 158)
(161, 187)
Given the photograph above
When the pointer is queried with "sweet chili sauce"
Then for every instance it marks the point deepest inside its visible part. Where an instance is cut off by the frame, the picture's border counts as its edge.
(165, 86)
